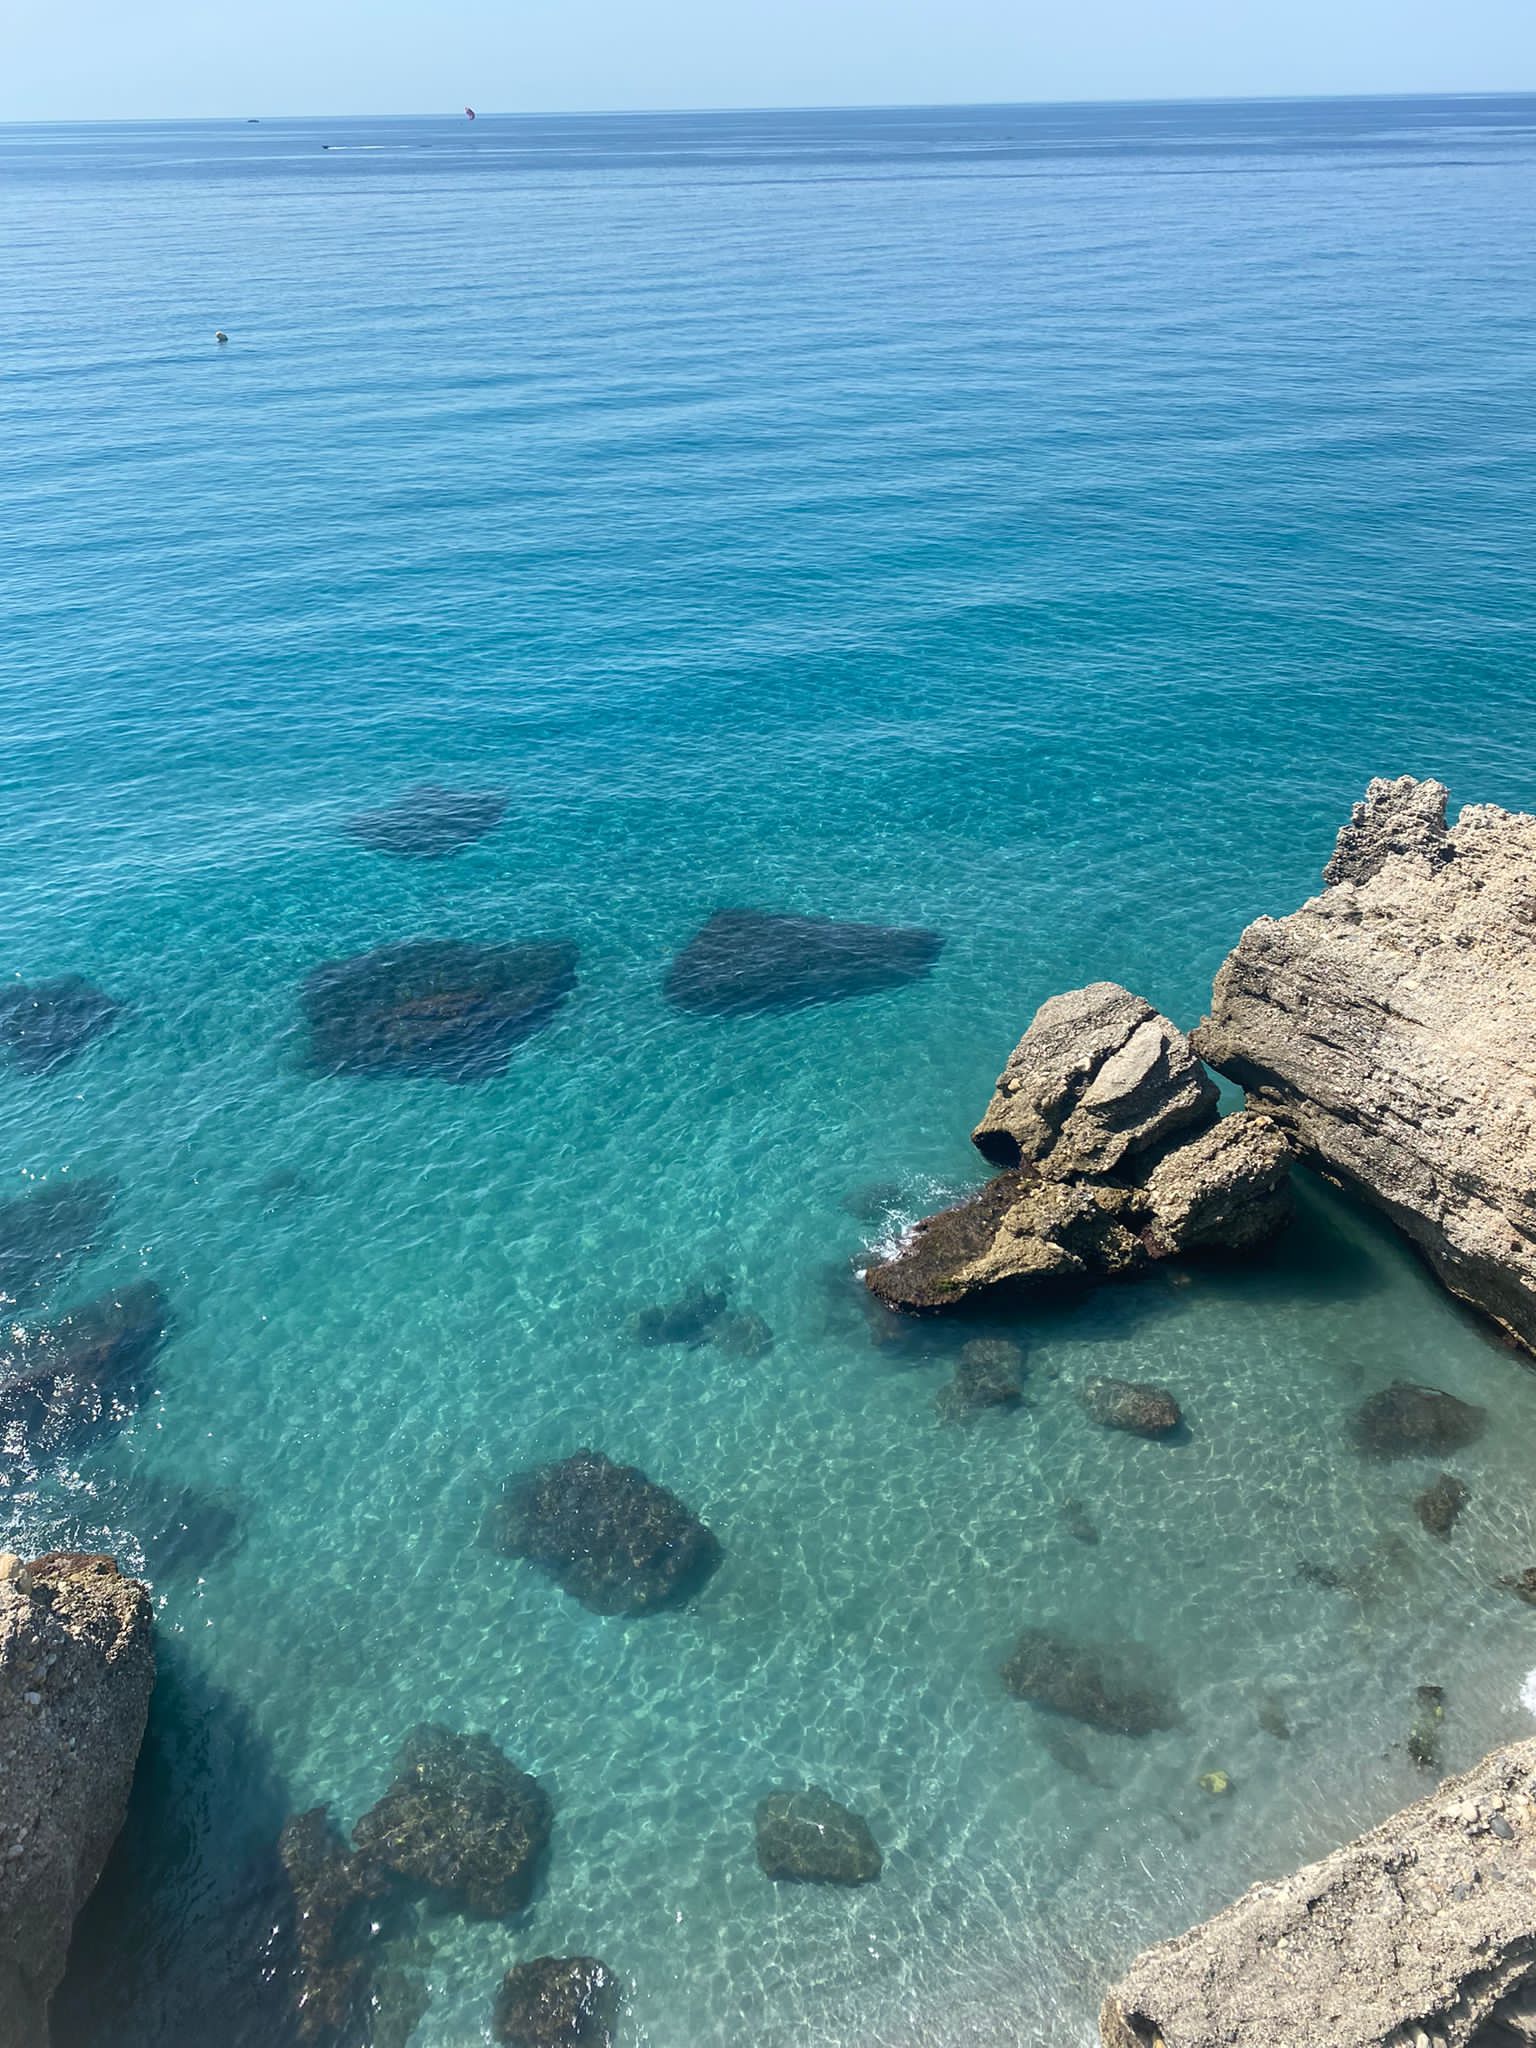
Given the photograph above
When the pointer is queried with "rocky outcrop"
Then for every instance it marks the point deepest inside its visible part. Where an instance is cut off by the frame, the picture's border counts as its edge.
(1106, 1124)
(1389, 1028)
(1423, 1930)
(77, 1664)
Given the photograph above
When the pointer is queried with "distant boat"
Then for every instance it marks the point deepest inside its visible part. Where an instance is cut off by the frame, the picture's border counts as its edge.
(471, 112)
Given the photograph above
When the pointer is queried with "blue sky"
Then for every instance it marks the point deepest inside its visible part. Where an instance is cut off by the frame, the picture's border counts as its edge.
(62, 59)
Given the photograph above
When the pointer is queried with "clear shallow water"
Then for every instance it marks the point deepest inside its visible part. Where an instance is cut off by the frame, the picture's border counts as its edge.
(1035, 524)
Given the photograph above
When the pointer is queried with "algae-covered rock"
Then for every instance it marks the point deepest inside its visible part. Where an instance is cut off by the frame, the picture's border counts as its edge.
(461, 1821)
(333, 1891)
(605, 1533)
(809, 1838)
(557, 2002)
(1110, 1687)
(437, 1009)
(1136, 1408)
(1439, 1505)
(1407, 1421)
(45, 1024)
(743, 961)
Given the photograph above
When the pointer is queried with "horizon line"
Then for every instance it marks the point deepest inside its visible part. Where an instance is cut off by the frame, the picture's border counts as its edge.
(764, 107)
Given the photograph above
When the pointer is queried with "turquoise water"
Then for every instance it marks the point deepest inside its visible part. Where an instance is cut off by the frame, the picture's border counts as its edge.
(1035, 525)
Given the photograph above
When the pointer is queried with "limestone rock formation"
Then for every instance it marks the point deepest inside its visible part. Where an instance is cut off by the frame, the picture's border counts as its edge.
(607, 1535)
(1423, 1929)
(741, 961)
(1389, 1027)
(557, 2002)
(809, 1838)
(1106, 1125)
(461, 1821)
(77, 1664)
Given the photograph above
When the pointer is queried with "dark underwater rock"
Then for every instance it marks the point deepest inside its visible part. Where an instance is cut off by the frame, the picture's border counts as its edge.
(989, 1373)
(461, 1821)
(808, 1838)
(64, 1381)
(1428, 1726)
(44, 1233)
(742, 961)
(1109, 1688)
(332, 1890)
(1077, 1522)
(1522, 1585)
(436, 1008)
(688, 1320)
(429, 822)
(43, 1025)
(1438, 1506)
(743, 1335)
(1138, 1409)
(557, 2002)
(607, 1535)
(1405, 1421)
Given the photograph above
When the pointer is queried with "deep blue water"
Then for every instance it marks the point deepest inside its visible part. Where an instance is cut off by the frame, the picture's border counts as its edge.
(1033, 524)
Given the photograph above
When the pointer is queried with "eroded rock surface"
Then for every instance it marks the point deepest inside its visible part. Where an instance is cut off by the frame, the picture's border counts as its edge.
(1389, 1027)
(77, 1665)
(809, 1838)
(434, 1008)
(1106, 1125)
(607, 1535)
(557, 2002)
(742, 961)
(1423, 1929)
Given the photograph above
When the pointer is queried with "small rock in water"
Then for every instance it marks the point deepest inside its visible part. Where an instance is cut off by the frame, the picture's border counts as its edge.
(743, 961)
(429, 822)
(64, 1381)
(1406, 1421)
(690, 1319)
(557, 2002)
(808, 1838)
(1138, 1409)
(1522, 1585)
(744, 1335)
(44, 1025)
(1076, 1521)
(460, 1820)
(331, 1890)
(1438, 1506)
(1428, 1722)
(1109, 1688)
(988, 1374)
(434, 1008)
(607, 1535)
(45, 1233)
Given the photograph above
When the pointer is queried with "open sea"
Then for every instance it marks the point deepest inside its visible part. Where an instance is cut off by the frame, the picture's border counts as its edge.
(1032, 524)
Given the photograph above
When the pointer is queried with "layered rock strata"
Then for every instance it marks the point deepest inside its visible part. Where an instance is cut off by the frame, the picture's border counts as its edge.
(77, 1664)
(1106, 1125)
(1422, 1930)
(1389, 1028)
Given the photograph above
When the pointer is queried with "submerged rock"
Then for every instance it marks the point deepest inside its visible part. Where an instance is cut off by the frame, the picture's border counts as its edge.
(1381, 1025)
(1522, 1585)
(607, 1535)
(429, 822)
(691, 1319)
(332, 1891)
(743, 961)
(77, 1664)
(45, 1024)
(1438, 1506)
(989, 1373)
(45, 1233)
(1108, 1688)
(557, 2002)
(434, 1008)
(64, 1381)
(808, 1838)
(460, 1821)
(1422, 1930)
(1405, 1421)
(1105, 1124)
(1077, 1522)
(744, 1334)
(1428, 1725)
(1138, 1409)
